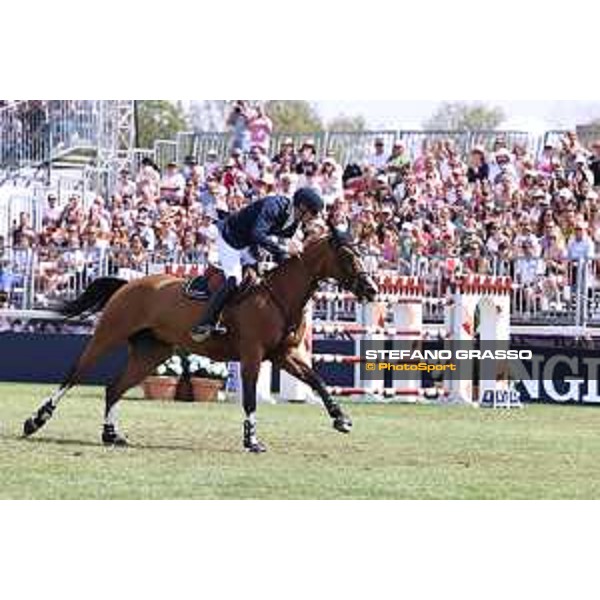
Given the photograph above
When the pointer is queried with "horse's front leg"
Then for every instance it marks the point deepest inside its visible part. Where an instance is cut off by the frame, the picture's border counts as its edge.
(250, 369)
(296, 365)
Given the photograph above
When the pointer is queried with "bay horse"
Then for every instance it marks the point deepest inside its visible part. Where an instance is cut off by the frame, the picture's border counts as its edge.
(154, 316)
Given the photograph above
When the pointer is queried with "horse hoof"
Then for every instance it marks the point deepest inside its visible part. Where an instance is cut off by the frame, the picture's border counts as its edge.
(342, 424)
(29, 427)
(115, 441)
(255, 447)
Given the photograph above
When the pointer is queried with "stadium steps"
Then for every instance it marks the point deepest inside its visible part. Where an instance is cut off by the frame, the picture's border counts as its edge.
(76, 157)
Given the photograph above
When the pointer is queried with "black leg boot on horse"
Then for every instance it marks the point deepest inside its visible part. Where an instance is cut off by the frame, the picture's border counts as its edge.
(209, 324)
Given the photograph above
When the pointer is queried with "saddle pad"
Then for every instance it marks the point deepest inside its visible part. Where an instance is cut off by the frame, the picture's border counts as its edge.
(197, 288)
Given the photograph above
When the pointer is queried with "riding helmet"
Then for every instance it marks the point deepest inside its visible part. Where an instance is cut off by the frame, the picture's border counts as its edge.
(310, 199)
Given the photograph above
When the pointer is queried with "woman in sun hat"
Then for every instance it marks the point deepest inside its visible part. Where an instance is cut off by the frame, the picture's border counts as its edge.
(330, 180)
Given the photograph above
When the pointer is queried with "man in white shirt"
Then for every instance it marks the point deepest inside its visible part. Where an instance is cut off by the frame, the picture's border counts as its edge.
(254, 164)
(125, 185)
(146, 232)
(581, 246)
(208, 231)
(212, 164)
(526, 235)
(148, 179)
(528, 267)
(378, 159)
(52, 212)
(502, 165)
(172, 185)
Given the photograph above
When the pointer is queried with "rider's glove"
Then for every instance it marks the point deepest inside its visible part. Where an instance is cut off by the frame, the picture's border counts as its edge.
(281, 256)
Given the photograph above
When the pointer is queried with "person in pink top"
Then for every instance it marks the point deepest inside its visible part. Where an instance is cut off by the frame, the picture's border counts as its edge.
(545, 162)
(261, 128)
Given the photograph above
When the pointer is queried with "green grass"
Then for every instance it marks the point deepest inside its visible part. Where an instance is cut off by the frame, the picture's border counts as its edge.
(193, 451)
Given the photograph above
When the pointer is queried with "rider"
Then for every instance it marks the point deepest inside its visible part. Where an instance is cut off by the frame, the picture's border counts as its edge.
(253, 226)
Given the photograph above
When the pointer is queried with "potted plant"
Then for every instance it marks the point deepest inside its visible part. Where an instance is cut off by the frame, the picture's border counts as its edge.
(186, 377)
(163, 385)
(207, 378)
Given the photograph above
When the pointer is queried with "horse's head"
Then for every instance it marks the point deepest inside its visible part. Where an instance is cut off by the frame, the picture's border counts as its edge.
(342, 262)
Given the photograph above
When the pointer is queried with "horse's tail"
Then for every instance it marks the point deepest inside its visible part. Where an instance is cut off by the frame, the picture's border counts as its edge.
(94, 298)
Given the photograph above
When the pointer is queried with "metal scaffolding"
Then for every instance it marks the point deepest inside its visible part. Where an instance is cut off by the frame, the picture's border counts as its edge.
(92, 138)
(116, 138)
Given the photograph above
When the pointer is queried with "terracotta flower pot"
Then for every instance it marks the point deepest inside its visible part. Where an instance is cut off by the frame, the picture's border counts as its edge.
(186, 390)
(206, 390)
(160, 388)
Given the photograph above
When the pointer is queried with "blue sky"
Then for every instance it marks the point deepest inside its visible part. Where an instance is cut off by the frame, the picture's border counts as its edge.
(409, 114)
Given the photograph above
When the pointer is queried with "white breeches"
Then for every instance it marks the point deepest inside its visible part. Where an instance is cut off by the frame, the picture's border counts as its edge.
(230, 258)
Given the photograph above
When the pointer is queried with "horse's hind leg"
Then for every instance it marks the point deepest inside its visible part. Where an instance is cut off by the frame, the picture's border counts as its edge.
(98, 346)
(146, 352)
(46, 410)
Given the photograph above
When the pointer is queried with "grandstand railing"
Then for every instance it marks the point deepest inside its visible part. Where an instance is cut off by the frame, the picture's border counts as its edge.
(563, 293)
(352, 146)
(34, 132)
(165, 151)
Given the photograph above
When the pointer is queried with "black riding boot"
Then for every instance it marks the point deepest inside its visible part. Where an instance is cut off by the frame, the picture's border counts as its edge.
(209, 323)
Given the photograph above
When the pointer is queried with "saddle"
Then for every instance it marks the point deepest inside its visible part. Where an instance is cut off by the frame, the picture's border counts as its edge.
(201, 288)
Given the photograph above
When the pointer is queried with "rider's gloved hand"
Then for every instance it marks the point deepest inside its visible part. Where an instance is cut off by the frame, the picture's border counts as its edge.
(281, 256)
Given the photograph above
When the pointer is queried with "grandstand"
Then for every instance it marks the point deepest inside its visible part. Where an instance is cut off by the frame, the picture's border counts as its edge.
(79, 148)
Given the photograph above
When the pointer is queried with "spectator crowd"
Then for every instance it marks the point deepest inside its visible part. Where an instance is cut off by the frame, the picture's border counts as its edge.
(496, 210)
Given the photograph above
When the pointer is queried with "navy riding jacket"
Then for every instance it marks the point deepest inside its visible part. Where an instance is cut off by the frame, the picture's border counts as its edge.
(255, 223)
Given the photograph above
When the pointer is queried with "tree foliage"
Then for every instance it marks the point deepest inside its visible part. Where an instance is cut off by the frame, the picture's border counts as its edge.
(293, 116)
(158, 119)
(162, 119)
(465, 117)
(208, 115)
(347, 123)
